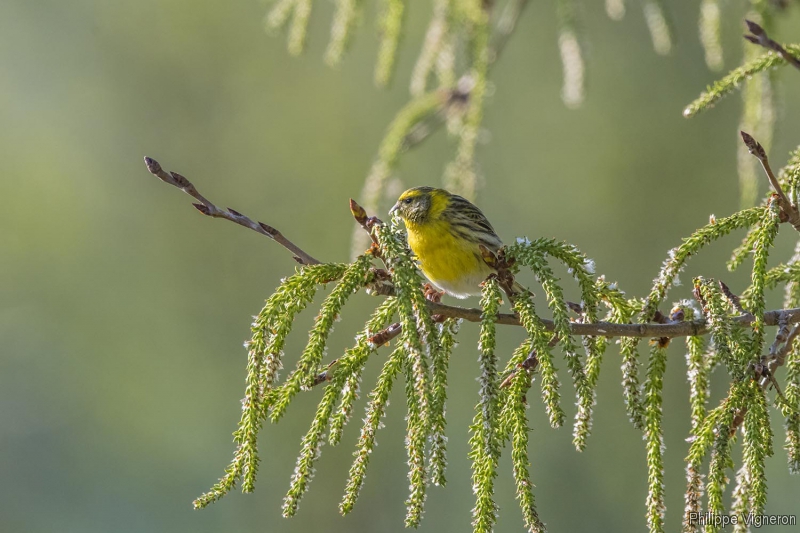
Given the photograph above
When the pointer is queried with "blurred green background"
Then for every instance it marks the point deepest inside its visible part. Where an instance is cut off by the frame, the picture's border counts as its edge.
(122, 310)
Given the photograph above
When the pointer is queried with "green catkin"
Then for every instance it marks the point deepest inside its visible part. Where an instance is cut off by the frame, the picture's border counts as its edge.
(352, 365)
(701, 443)
(416, 433)
(620, 312)
(279, 15)
(419, 337)
(743, 251)
(713, 435)
(309, 451)
(721, 461)
(558, 306)
(765, 237)
(419, 334)
(727, 344)
(789, 273)
(533, 254)
(376, 408)
(789, 176)
(730, 82)
(666, 278)
(573, 87)
(344, 21)
(757, 446)
(698, 373)
(355, 277)
(390, 27)
(460, 176)
(265, 350)
(654, 436)
(710, 34)
(540, 342)
(504, 399)
(484, 446)
(299, 27)
(792, 409)
(517, 423)
(435, 39)
(440, 362)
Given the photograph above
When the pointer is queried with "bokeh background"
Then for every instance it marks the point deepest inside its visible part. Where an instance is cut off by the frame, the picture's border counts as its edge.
(123, 311)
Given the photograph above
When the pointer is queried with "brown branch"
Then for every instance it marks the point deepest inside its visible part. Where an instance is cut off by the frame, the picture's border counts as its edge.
(208, 208)
(764, 371)
(669, 329)
(610, 329)
(789, 211)
(759, 36)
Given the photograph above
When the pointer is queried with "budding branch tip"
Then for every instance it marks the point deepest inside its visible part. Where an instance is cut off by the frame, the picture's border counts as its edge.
(152, 165)
(359, 213)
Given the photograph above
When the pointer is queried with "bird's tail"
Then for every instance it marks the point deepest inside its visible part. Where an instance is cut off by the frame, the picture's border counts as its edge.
(518, 288)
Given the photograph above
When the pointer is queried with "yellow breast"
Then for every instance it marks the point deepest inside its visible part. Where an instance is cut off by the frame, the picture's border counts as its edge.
(453, 264)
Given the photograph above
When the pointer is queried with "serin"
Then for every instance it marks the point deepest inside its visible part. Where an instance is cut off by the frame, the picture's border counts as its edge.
(445, 232)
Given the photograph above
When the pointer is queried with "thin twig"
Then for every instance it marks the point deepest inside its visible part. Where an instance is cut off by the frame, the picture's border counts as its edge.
(789, 211)
(780, 357)
(780, 336)
(603, 329)
(610, 329)
(759, 36)
(208, 208)
(734, 299)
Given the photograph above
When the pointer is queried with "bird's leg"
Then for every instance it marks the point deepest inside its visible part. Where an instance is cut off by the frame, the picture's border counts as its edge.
(432, 293)
(435, 296)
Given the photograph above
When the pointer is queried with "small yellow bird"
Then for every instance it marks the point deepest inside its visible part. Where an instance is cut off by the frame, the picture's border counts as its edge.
(445, 232)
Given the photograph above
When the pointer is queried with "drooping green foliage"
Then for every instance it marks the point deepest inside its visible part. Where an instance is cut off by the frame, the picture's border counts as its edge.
(484, 442)
(350, 367)
(391, 25)
(791, 410)
(440, 362)
(654, 435)
(424, 344)
(667, 277)
(759, 109)
(341, 373)
(366, 442)
(516, 421)
(533, 255)
(734, 79)
(450, 85)
(345, 18)
(540, 343)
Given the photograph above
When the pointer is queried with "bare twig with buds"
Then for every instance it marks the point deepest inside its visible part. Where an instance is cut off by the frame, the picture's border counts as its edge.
(759, 36)
(669, 328)
(208, 208)
(789, 211)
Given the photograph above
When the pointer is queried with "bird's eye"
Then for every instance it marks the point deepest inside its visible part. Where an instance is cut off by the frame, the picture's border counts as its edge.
(407, 200)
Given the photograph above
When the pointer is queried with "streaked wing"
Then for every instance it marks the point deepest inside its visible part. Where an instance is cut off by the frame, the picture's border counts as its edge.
(470, 222)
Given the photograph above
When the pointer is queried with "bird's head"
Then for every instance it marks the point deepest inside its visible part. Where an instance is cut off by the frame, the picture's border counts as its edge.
(415, 204)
